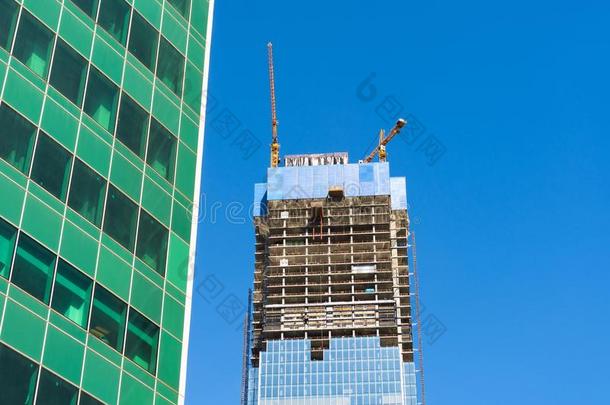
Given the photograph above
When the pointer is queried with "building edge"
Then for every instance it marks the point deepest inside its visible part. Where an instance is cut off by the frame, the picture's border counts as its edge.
(190, 274)
(246, 351)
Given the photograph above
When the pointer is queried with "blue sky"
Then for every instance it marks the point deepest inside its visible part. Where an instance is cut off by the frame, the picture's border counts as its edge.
(512, 220)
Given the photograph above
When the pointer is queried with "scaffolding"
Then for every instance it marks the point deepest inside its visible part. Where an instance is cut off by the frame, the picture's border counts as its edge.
(332, 267)
(244, 374)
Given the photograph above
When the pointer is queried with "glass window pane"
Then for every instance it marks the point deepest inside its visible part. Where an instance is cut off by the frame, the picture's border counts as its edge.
(86, 399)
(8, 17)
(108, 318)
(17, 377)
(192, 87)
(120, 219)
(72, 293)
(152, 242)
(51, 167)
(132, 126)
(87, 192)
(88, 6)
(113, 17)
(182, 6)
(170, 66)
(33, 268)
(52, 390)
(161, 150)
(141, 343)
(16, 138)
(33, 44)
(143, 41)
(7, 245)
(101, 99)
(68, 72)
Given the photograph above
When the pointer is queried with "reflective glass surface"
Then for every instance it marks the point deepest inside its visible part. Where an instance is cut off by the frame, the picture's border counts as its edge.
(354, 371)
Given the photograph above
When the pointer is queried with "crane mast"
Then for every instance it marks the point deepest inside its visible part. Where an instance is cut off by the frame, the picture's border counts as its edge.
(275, 146)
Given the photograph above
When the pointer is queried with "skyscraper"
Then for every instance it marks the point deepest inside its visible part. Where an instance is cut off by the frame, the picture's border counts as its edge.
(101, 136)
(330, 320)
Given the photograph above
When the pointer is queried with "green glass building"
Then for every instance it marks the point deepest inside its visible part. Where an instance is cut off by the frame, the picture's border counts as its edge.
(101, 136)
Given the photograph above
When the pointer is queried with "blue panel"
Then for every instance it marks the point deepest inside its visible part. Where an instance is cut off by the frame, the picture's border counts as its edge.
(367, 188)
(351, 184)
(382, 182)
(320, 181)
(306, 181)
(274, 183)
(314, 181)
(398, 193)
(366, 173)
(335, 176)
(290, 183)
(260, 200)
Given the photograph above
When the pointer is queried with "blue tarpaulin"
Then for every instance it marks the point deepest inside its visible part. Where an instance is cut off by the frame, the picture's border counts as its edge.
(356, 179)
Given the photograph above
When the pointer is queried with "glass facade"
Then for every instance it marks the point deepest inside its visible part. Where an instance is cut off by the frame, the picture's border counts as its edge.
(97, 176)
(354, 371)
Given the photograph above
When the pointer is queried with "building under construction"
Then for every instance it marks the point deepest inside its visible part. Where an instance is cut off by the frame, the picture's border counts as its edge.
(331, 257)
(330, 312)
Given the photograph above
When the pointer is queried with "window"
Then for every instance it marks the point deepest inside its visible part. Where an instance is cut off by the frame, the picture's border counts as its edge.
(87, 192)
(170, 66)
(33, 44)
(7, 244)
(101, 99)
(53, 390)
(88, 6)
(8, 16)
(33, 268)
(51, 167)
(182, 6)
(16, 138)
(161, 150)
(132, 126)
(141, 343)
(152, 242)
(17, 377)
(143, 41)
(68, 72)
(120, 219)
(86, 399)
(72, 293)
(113, 17)
(108, 318)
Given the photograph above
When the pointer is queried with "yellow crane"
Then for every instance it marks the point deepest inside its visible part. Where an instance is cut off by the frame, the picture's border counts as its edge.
(384, 140)
(275, 146)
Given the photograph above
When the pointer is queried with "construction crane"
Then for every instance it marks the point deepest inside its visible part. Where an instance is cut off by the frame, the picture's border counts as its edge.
(275, 146)
(384, 140)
